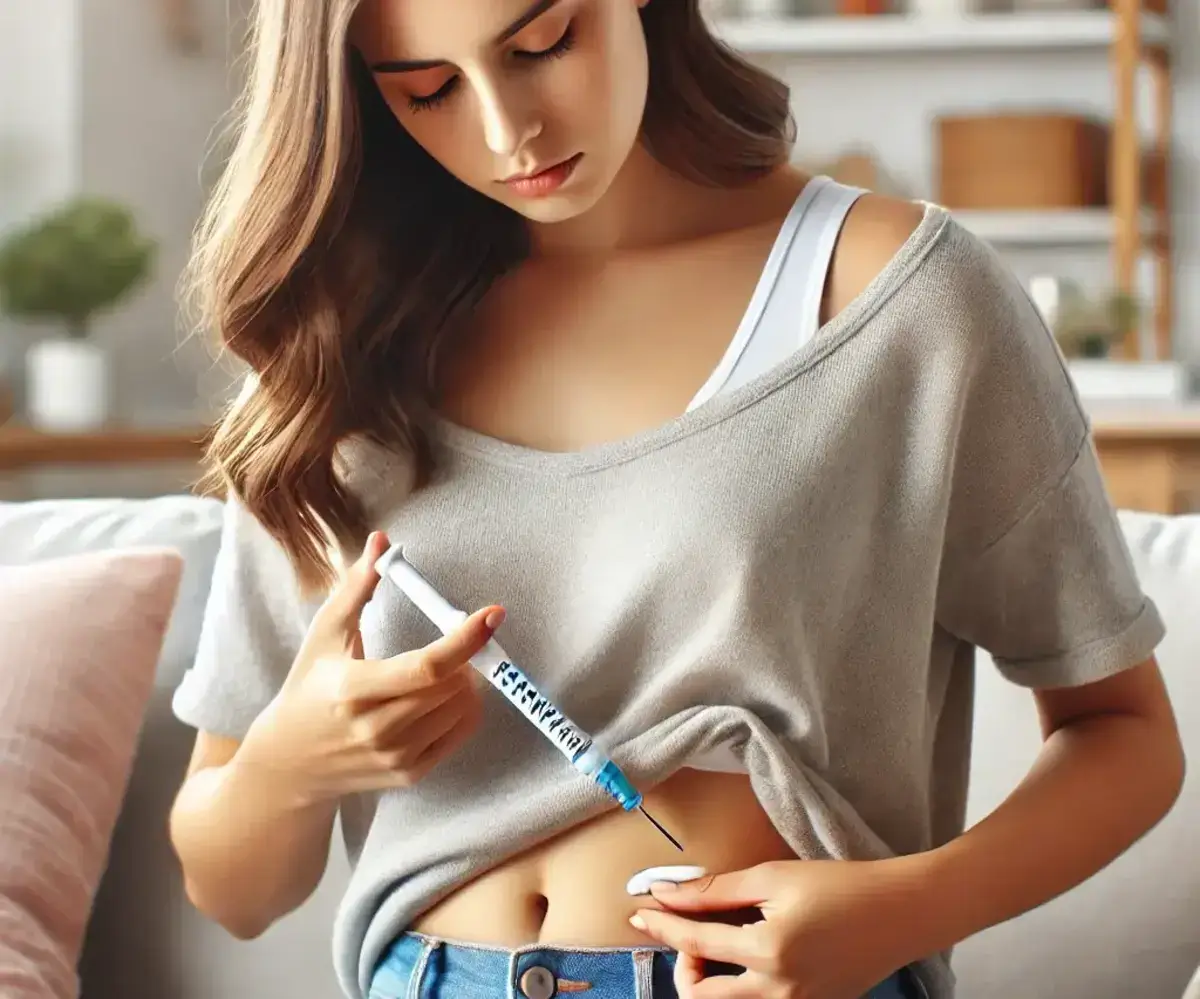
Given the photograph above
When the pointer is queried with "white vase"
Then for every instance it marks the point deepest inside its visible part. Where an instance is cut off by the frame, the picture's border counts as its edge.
(68, 385)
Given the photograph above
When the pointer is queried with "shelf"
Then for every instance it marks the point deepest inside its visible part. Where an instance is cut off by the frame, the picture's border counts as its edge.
(23, 447)
(1068, 227)
(900, 34)
(1112, 423)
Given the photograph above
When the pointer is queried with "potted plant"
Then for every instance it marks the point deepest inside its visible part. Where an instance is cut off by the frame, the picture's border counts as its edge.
(80, 260)
(1087, 329)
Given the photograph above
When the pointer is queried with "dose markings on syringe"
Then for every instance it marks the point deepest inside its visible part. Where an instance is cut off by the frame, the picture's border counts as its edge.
(538, 707)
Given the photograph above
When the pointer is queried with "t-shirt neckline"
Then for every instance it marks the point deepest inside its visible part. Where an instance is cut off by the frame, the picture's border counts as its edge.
(720, 407)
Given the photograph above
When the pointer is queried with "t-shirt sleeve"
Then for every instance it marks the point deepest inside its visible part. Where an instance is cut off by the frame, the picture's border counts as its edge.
(254, 623)
(1036, 569)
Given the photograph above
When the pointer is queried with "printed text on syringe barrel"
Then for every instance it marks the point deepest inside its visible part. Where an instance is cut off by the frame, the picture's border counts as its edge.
(519, 690)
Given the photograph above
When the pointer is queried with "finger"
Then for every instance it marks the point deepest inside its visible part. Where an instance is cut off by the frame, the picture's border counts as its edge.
(451, 652)
(389, 714)
(436, 724)
(453, 739)
(734, 890)
(441, 748)
(715, 941)
(340, 613)
(407, 677)
(749, 985)
(689, 972)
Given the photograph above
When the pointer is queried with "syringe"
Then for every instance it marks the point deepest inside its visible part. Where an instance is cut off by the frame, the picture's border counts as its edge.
(503, 674)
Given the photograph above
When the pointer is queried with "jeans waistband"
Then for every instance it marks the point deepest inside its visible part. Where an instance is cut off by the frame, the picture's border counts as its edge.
(418, 966)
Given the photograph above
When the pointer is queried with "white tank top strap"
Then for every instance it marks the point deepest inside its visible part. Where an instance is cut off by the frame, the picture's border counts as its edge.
(785, 310)
(819, 236)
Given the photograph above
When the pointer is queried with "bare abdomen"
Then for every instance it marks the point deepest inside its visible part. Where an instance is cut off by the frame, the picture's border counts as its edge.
(571, 890)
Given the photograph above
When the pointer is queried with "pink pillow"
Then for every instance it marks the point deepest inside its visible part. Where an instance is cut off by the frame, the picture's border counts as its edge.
(79, 642)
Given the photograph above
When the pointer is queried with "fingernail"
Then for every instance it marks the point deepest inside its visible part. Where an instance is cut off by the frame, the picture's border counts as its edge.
(370, 541)
(637, 922)
(495, 619)
(663, 886)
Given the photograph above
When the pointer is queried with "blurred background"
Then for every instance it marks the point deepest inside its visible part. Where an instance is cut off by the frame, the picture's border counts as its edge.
(1066, 132)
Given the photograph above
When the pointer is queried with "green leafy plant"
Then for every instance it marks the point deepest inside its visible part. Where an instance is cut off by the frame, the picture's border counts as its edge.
(1088, 329)
(82, 259)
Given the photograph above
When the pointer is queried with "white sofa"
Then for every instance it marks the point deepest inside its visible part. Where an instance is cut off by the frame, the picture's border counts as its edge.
(1133, 932)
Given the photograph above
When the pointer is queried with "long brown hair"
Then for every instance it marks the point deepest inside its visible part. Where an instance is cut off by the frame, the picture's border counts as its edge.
(317, 266)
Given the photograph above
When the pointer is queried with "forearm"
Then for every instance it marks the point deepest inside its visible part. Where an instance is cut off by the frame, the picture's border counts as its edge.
(1098, 785)
(250, 851)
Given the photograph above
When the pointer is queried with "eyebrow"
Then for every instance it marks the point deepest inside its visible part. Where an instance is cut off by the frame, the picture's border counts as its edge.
(413, 65)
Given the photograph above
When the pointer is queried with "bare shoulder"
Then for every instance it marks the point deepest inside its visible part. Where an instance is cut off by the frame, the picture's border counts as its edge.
(875, 230)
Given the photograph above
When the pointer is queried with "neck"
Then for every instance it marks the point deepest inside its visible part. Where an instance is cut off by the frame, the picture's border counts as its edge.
(648, 205)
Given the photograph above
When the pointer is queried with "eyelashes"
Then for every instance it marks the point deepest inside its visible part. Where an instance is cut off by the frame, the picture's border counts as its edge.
(428, 101)
(559, 49)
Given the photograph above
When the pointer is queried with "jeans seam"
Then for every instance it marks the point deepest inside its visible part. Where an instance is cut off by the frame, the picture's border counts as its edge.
(643, 974)
(417, 981)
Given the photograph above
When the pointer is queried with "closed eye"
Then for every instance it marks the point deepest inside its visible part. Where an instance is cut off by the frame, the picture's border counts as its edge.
(422, 102)
(564, 44)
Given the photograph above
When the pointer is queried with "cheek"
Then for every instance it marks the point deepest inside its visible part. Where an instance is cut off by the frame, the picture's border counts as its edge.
(448, 136)
(596, 98)
(628, 89)
(624, 75)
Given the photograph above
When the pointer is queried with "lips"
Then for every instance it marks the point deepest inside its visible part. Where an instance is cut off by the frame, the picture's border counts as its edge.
(534, 174)
(544, 181)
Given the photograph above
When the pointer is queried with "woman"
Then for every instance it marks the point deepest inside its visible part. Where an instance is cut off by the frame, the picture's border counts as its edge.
(751, 462)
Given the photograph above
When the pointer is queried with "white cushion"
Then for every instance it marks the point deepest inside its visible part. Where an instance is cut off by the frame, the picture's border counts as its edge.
(34, 532)
(1134, 929)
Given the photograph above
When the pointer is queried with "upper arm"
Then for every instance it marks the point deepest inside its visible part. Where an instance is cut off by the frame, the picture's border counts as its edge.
(1035, 567)
(1138, 691)
(254, 623)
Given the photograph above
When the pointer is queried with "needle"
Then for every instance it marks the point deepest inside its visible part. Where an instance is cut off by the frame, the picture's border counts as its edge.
(658, 825)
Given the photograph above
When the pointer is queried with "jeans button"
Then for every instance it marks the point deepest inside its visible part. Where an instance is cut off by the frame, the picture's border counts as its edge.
(537, 983)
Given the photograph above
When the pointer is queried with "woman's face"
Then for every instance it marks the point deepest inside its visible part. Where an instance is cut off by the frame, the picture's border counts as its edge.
(535, 104)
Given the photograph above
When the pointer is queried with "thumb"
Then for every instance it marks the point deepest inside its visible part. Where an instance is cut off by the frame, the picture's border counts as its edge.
(712, 941)
(734, 890)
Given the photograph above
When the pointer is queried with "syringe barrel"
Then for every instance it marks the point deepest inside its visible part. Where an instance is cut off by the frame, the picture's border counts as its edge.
(508, 678)
(521, 692)
(575, 744)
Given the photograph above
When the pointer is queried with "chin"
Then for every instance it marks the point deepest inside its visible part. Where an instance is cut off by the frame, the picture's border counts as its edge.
(561, 206)
(550, 210)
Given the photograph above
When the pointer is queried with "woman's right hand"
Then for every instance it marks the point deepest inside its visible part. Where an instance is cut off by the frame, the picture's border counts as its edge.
(343, 724)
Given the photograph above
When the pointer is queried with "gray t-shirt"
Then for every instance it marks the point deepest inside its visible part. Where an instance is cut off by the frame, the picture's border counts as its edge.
(794, 574)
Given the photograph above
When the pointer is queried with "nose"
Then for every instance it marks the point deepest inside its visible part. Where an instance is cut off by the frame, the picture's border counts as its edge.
(509, 121)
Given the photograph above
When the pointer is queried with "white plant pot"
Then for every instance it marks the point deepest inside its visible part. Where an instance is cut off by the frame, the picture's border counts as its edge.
(1130, 383)
(767, 9)
(941, 8)
(68, 385)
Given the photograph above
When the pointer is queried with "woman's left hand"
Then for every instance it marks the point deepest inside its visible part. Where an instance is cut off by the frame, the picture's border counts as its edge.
(830, 929)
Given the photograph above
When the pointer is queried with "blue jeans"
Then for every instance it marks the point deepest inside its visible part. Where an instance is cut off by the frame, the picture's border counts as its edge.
(423, 967)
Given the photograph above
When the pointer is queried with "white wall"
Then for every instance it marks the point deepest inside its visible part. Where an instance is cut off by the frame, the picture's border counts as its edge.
(39, 105)
(887, 103)
(1186, 187)
(92, 96)
(147, 118)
